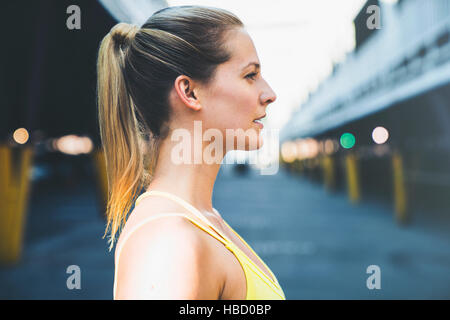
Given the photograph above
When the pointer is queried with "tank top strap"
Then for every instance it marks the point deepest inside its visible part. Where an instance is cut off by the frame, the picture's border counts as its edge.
(188, 207)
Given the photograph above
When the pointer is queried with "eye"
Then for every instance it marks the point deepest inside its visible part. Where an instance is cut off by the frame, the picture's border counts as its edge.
(251, 75)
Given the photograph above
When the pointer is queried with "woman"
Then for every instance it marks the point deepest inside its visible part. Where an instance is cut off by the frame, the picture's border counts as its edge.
(185, 66)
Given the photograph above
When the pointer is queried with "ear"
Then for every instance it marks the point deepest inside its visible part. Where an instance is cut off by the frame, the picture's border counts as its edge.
(184, 87)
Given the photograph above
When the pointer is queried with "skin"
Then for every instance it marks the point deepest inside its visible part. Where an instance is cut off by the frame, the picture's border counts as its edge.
(150, 261)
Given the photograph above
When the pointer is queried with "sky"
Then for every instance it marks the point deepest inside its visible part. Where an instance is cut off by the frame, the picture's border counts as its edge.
(297, 42)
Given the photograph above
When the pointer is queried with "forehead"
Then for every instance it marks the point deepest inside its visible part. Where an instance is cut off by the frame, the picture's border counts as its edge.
(242, 49)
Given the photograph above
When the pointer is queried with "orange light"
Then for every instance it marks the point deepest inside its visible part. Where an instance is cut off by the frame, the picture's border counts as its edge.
(288, 151)
(21, 136)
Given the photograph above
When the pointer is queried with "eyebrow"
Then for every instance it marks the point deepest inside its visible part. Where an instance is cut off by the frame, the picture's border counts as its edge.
(252, 63)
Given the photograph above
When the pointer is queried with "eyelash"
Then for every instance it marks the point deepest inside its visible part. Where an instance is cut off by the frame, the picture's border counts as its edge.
(251, 75)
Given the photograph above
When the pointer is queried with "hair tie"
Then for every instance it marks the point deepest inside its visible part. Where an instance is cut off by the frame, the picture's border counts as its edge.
(123, 33)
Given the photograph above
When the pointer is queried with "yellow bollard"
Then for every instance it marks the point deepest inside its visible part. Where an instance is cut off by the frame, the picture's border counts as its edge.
(5, 165)
(14, 191)
(400, 199)
(100, 165)
(353, 178)
(328, 172)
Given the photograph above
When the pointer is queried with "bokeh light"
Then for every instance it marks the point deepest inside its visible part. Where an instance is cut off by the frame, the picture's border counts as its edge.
(347, 140)
(380, 135)
(73, 145)
(21, 136)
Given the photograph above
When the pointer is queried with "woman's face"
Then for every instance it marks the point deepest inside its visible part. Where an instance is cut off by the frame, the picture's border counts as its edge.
(237, 95)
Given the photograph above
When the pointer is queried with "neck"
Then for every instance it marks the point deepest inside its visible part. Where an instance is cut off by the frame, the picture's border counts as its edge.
(190, 181)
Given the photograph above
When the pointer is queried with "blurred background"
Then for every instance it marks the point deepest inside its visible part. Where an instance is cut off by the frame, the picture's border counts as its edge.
(363, 115)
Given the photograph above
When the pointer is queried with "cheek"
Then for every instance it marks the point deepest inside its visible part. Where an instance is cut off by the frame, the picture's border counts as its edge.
(232, 105)
(240, 109)
(245, 112)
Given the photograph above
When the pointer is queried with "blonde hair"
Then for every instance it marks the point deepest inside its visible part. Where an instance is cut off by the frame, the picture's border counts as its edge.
(136, 69)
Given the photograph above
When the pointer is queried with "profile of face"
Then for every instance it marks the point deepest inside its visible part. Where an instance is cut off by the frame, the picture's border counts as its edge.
(235, 97)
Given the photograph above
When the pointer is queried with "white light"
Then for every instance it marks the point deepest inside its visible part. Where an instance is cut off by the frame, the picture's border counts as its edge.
(380, 135)
(73, 145)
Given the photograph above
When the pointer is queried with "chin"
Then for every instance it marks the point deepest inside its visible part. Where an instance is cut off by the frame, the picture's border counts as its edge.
(246, 139)
(252, 142)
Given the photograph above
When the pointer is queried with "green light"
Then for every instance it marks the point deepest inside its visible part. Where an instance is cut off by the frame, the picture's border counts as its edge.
(347, 140)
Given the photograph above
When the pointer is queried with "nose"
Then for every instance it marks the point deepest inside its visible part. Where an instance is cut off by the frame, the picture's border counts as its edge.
(268, 96)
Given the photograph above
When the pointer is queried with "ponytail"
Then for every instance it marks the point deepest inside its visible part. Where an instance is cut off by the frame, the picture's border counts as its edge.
(120, 131)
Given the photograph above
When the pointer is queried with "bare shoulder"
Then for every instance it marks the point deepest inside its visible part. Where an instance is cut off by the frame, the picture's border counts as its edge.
(167, 258)
(148, 208)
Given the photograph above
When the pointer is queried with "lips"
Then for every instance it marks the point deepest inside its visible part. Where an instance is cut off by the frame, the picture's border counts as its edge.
(260, 117)
(258, 122)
